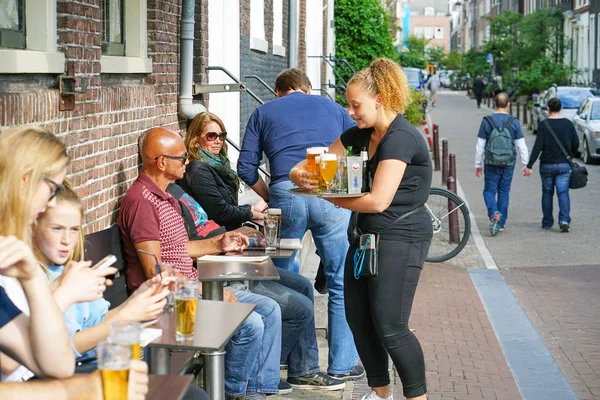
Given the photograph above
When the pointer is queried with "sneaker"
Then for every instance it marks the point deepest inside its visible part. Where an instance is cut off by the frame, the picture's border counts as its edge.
(564, 227)
(283, 367)
(284, 387)
(316, 381)
(494, 228)
(373, 396)
(357, 373)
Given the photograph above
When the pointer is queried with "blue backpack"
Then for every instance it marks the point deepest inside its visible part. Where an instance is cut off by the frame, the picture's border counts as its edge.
(500, 145)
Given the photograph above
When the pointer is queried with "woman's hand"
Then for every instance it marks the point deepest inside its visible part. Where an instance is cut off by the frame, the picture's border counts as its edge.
(233, 241)
(17, 259)
(146, 303)
(304, 178)
(259, 209)
(80, 283)
(250, 232)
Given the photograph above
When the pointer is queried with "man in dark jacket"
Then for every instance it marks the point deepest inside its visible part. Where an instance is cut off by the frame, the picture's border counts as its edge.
(478, 88)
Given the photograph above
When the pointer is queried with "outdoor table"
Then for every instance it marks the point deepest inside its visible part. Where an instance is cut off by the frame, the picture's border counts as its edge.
(213, 274)
(279, 253)
(167, 387)
(216, 322)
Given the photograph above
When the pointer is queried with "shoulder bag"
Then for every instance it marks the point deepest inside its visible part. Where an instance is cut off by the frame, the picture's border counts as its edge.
(365, 256)
(579, 173)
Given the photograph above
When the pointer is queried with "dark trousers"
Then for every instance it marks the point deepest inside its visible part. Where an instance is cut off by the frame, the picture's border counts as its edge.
(478, 97)
(378, 310)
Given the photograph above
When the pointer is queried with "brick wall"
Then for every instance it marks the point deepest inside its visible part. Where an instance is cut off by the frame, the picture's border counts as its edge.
(101, 132)
(265, 65)
(302, 36)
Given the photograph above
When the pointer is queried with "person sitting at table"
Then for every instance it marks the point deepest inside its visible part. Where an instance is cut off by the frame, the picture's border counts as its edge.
(33, 164)
(209, 178)
(150, 220)
(294, 294)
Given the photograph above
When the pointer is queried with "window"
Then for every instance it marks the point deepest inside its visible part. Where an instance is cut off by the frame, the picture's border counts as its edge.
(124, 37)
(12, 25)
(257, 26)
(28, 38)
(598, 42)
(439, 32)
(418, 31)
(428, 32)
(278, 48)
(112, 27)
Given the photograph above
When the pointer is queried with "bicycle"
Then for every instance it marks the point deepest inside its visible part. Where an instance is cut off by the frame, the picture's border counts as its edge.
(451, 224)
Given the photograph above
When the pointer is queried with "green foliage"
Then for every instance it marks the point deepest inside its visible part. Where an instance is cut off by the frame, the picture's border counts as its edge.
(474, 63)
(435, 55)
(453, 61)
(541, 75)
(416, 44)
(414, 111)
(362, 32)
(412, 59)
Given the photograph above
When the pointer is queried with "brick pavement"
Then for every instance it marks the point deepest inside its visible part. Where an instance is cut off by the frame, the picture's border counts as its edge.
(557, 302)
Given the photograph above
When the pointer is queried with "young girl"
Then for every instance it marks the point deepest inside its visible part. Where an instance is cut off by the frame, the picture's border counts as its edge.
(57, 239)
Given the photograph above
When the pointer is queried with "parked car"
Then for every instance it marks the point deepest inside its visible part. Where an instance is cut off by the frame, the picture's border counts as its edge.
(571, 98)
(587, 125)
(414, 77)
(446, 77)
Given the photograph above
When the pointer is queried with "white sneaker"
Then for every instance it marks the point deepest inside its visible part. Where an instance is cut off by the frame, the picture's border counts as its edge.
(373, 396)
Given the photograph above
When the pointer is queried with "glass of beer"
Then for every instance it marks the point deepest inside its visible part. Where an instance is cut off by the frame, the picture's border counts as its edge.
(186, 298)
(328, 168)
(127, 333)
(113, 363)
(311, 154)
(271, 228)
(277, 213)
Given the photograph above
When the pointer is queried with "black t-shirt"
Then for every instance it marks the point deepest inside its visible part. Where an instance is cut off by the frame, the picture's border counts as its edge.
(401, 142)
(546, 145)
(8, 311)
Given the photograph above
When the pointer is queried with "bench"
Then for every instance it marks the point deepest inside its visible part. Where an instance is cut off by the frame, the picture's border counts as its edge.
(97, 246)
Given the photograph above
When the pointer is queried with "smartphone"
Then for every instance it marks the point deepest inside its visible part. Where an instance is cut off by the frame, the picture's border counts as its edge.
(106, 262)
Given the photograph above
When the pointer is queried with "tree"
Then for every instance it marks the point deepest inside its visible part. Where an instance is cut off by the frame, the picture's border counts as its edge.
(453, 61)
(414, 57)
(541, 74)
(435, 55)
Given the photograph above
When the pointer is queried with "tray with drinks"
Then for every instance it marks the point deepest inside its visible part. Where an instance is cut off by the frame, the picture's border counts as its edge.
(304, 192)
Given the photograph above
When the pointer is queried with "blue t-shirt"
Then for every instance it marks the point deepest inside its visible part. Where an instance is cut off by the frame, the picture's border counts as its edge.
(284, 128)
(81, 316)
(500, 119)
(8, 311)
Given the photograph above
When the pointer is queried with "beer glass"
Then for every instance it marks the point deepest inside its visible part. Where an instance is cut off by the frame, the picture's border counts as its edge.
(186, 298)
(311, 154)
(277, 213)
(113, 363)
(271, 228)
(328, 168)
(127, 333)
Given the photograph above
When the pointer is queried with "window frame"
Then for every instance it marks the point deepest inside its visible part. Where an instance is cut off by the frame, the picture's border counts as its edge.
(257, 26)
(112, 48)
(15, 39)
(278, 47)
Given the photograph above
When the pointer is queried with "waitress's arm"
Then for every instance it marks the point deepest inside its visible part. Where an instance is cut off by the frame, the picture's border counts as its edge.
(385, 184)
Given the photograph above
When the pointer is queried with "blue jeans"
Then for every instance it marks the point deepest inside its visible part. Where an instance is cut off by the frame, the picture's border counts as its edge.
(496, 191)
(555, 175)
(328, 225)
(294, 294)
(253, 353)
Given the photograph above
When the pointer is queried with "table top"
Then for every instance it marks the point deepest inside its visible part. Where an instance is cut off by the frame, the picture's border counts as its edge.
(168, 387)
(216, 322)
(279, 253)
(236, 270)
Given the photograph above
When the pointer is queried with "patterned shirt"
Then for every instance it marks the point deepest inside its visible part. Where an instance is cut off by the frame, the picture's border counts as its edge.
(149, 214)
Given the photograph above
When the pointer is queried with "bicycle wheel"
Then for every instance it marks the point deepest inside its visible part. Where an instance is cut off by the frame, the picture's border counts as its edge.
(451, 224)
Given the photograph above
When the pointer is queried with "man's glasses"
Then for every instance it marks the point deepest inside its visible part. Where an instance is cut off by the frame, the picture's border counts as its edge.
(55, 188)
(182, 158)
(211, 136)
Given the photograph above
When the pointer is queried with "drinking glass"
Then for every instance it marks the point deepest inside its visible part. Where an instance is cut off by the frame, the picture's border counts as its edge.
(328, 168)
(113, 362)
(127, 333)
(311, 154)
(277, 213)
(186, 298)
(271, 229)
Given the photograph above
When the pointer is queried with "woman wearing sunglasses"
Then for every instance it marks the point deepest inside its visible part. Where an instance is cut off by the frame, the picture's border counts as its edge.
(209, 177)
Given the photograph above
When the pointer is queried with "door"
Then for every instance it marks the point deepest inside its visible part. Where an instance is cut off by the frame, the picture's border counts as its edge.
(224, 51)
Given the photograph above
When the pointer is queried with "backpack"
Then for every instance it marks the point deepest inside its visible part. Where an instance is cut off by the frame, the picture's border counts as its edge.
(500, 146)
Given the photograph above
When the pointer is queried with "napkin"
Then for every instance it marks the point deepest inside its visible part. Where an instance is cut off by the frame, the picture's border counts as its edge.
(290, 244)
(233, 258)
(148, 335)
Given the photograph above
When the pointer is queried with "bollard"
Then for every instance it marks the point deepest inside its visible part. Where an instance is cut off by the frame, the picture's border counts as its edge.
(452, 166)
(510, 108)
(453, 226)
(518, 111)
(525, 113)
(436, 147)
(444, 161)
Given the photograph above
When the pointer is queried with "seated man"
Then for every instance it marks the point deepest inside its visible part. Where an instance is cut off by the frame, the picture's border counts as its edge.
(293, 293)
(150, 220)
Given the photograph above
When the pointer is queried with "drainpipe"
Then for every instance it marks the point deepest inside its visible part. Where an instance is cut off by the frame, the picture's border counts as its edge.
(293, 34)
(187, 109)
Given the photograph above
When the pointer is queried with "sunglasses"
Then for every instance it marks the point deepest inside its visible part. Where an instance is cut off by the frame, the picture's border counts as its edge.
(211, 136)
(182, 158)
(55, 188)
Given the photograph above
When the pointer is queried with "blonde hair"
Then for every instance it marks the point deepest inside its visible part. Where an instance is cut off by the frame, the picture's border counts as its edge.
(27, 154)
(194, 131)
(386, 78)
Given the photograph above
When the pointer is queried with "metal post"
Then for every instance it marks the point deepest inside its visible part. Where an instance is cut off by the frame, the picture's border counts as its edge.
(510, 108)
(158, 359)
(212, 290)
(436, 147)
(518, 111)
(445, 163)
(453, 227)
(525, 113)
(214, 374)
(452, 165)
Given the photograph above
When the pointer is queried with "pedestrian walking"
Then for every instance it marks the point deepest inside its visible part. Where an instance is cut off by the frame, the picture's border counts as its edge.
(283, 129)
(555, 169)
(378, 306)
(499, 138)
(434, 86)
(478, 88)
